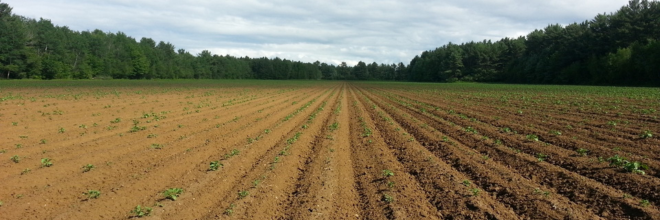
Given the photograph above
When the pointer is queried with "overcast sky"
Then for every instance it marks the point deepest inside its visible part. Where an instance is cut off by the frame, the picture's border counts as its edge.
(384, 31)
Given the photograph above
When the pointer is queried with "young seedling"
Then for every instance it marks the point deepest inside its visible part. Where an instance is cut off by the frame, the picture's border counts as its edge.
(215, 165)
(157, 146)
(582, 152)
(25, 171)
(172, 193)
(87, 168)
(475, 191)
(93, 194)
(644, 203)
(15, 158)
(388, 173)
(532, 137)
(466, 182)
(61, 130)
(229, 211)
(46, 162)
(334, 126)
(617, 161)
(541, 157)
(387, 198)
(243, 194)
(646, 134)
(390, 184)
(140, 212)
(635, 167)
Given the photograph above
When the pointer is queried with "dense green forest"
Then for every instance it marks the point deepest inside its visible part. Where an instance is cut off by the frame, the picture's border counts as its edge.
(620, 48)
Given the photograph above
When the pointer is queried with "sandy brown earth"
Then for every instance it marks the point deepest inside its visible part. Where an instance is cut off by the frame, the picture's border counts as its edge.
(322, 150)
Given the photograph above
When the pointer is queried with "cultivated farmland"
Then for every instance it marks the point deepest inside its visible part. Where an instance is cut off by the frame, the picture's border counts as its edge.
(326, 150)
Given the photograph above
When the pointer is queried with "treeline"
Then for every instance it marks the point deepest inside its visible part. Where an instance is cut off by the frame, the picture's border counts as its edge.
(621, 48)
(37, 49)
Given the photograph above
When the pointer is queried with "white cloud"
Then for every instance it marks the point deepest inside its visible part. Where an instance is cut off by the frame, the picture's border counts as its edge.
(384, 31)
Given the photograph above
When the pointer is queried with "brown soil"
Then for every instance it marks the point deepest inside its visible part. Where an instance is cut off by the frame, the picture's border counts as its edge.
(320, 152)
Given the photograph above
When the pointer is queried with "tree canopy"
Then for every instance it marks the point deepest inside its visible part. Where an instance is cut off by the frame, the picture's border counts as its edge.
(620, 48)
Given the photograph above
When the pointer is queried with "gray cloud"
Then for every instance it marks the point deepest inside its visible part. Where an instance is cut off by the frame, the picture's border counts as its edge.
(384, 31)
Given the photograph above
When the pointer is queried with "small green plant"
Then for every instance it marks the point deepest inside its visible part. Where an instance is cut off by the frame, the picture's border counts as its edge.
(19, 146)
(14, 123)
(243, 194)
(93, 194)
(140, 211)
(87, 168)
(117, 120)
(229, 211)
(532, 137)
(152, 135)
(466, 182)
(646, 134)
(267, 131)
(46, 162)
(471, 130)
(43, 141)
(172, 193)
(157, 146)
(334, 126)
(541, 157)
(390, 184)
(388, 173)
(475, 191)
(582, 152)
(15, 158)
(616, 161)
(25, 171)
(215, 165)
(644, 203)
(367, 132)
(62, 130)
(557, 133)
(635, 167)
(387, 198)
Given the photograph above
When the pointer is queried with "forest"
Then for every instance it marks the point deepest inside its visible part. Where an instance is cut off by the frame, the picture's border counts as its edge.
(619, 48)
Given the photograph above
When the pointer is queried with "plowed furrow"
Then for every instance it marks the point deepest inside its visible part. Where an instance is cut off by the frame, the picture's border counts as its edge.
(563, 181)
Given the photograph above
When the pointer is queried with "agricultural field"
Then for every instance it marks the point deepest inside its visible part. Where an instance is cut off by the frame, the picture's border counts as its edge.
(327, 150)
